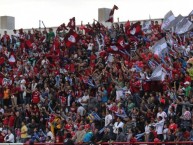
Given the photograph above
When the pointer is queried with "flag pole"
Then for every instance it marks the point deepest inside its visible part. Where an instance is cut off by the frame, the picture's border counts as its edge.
(118, 20)
(39, 25)
(149, 17)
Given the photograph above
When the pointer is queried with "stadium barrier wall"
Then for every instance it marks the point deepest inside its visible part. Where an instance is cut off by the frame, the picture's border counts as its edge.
(112, 143)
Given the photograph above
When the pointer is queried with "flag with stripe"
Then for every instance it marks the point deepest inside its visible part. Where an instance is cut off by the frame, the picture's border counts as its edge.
(93, 116)
(159, 47)
(71, 38)
(135, 29)
(183, 26)
(158, 74)
(146, 26)
(168, 19)
(173, 24)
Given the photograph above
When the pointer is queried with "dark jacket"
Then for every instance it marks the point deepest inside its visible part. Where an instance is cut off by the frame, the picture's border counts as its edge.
(17, 123)
(121, 137)
(68, 142)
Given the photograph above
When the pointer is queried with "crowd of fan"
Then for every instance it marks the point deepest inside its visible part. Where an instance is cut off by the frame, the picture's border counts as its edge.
(49, 93)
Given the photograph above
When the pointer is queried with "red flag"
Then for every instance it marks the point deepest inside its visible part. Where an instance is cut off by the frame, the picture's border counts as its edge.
(112, 14)
(135, 29)
(121, 42)
(71, 38)
(72, 24)
(127, 25)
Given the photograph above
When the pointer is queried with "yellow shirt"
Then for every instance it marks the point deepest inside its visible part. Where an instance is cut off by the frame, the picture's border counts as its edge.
(24, 129)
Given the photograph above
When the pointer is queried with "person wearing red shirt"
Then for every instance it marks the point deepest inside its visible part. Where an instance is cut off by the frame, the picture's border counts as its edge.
(135, 86)
(5, 39)
(69, 125)
(187, 77)
(11, 120)
(172, 125)
(36, 96)
(5, 121)
(2, 135)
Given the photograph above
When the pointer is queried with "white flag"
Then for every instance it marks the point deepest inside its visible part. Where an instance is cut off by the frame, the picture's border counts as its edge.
(159, 47)
(158, 74)
(191, 13)
(183, 26)
(168, 18)
(175, 22)
(12, 59)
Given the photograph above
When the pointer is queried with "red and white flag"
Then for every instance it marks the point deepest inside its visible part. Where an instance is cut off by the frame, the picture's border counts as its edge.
(112, 14)
(71, 38)
(121, 42)
(72, 23)
(4, 81)
(135, 29)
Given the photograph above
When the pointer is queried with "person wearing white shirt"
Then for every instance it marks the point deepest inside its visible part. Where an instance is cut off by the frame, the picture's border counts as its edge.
(162, 114)
(90, 46)
(159, 127)
(165, 132)
(108, 118)
(49, 133)
(116, 125)
(9, 138)
(33, 86)
(2, 110)
(84, 99)
(81, 110)
(147, 130)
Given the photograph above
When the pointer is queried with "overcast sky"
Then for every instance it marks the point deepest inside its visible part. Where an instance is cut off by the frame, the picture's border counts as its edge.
(27, 13)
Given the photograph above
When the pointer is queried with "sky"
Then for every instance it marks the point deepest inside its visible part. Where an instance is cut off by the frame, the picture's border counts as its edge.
(27, 13)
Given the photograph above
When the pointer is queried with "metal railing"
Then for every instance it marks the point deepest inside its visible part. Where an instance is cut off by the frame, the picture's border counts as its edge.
(112, 143)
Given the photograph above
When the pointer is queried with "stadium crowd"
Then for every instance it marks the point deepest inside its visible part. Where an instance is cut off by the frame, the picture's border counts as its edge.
(95, 84)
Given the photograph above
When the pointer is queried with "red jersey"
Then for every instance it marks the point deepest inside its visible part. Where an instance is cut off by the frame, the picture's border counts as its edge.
(68, 126)
(36, 97)
(11, 121)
